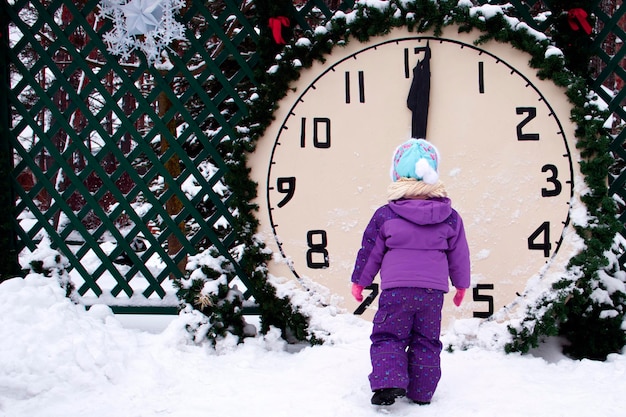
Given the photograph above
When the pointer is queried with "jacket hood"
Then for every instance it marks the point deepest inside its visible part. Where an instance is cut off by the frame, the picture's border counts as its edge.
(429, 211)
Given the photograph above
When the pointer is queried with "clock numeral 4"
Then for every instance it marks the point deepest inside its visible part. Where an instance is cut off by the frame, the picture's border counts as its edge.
(317, 255)
(483, 298)
(321, 132)
(531, 113)
(540, 239)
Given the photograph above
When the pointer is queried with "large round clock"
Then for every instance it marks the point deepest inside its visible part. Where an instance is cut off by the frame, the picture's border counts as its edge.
(507, 160)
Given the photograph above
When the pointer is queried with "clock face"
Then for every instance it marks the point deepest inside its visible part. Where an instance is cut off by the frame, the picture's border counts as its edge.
(507, 161)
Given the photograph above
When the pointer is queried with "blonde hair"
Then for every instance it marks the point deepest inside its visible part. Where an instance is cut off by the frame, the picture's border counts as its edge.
(412, 188)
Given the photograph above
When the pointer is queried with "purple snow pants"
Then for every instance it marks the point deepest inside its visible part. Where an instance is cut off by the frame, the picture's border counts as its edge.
(405, 342)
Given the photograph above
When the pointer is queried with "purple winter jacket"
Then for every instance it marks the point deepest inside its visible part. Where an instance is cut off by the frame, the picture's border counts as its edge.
(414, 243)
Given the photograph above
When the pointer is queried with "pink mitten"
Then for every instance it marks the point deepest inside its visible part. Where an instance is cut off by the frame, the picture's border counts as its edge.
(458, 297)
(357, 292)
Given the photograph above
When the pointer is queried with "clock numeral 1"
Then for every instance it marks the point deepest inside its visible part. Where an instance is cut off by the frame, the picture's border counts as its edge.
(286, 185)
(532, 113)
(317, 249)
(553, 180)
(321, 132)
(480, 298)
(544, 244)
(481, 77)
(361, 76)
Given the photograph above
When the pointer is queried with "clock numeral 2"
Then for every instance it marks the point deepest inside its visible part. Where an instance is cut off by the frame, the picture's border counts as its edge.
(532, 113)
(544, 244)
(361, 77)
(317, 249)
(321, 132)
(480, 298)
(286, 185)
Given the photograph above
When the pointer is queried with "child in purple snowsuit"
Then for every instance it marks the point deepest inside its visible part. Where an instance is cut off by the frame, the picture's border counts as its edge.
(416, 241)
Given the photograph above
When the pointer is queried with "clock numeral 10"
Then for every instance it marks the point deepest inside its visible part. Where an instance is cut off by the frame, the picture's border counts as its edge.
(321, 132)
(317, 255)
(483, 298)
(534, 243)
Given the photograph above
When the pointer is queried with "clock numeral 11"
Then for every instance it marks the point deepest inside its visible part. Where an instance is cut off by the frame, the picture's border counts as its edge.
(361, 77)
(321, 132)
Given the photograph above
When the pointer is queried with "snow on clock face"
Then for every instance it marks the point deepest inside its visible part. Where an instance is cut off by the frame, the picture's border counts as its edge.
(507, 160)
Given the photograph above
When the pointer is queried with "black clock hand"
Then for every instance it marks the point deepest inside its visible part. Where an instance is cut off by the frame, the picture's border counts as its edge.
(419, 94)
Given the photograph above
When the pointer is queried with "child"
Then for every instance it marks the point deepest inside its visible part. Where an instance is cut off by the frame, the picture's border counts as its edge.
(416, 241)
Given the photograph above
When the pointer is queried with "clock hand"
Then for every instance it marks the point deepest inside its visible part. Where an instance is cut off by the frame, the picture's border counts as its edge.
(419, 94)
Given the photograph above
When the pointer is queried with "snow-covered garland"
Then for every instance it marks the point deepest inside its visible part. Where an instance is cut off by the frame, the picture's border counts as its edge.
(590, 300)
(148, 26)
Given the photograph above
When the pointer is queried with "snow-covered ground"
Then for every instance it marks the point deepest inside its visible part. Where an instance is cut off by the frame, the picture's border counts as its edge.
(56, 359)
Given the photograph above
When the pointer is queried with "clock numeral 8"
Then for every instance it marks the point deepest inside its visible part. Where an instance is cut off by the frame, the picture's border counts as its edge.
(321, 132)
(318, 249)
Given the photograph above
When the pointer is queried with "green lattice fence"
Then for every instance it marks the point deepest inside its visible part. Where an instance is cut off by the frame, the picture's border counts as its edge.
(121, 165)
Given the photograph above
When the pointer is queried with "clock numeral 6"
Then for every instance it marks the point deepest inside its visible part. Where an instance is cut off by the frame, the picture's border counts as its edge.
(482, 298)
(544, 244)
(531, 114)
(317, 250)
(321, 132)
(286, 185)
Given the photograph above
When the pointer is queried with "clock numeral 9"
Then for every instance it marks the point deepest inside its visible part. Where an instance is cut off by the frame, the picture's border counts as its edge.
(321, 132)
(318, 249)
(531, 114)
(286, 185)
(480, 298)
(544, 244)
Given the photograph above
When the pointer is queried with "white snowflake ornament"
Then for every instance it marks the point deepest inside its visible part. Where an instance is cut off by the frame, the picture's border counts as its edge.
(145, 25)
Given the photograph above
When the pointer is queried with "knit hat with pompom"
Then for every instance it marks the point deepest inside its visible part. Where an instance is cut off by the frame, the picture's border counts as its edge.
(417, 159)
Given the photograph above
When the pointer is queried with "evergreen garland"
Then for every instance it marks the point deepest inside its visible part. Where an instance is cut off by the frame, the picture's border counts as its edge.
(574, 308)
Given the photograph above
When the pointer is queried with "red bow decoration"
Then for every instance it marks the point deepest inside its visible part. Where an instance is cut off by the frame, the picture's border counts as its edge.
(276, 24)
(577, 18)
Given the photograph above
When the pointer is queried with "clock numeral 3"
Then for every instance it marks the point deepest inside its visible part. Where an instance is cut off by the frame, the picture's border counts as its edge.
(531, 114)
(544, 244)
(317, 250)
(321, 132)
(553, 180)
(286, 185)
(482, 298)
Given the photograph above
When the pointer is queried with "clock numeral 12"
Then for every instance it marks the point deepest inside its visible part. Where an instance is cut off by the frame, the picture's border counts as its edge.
(321, 132)
(317, 248)
(361, 77)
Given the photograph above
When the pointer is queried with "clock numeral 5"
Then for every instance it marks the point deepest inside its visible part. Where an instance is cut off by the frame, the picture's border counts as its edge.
(318, 249)
(321, 132)
(286, 185)
(544, 244)
(531, 114)
(482, 298)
